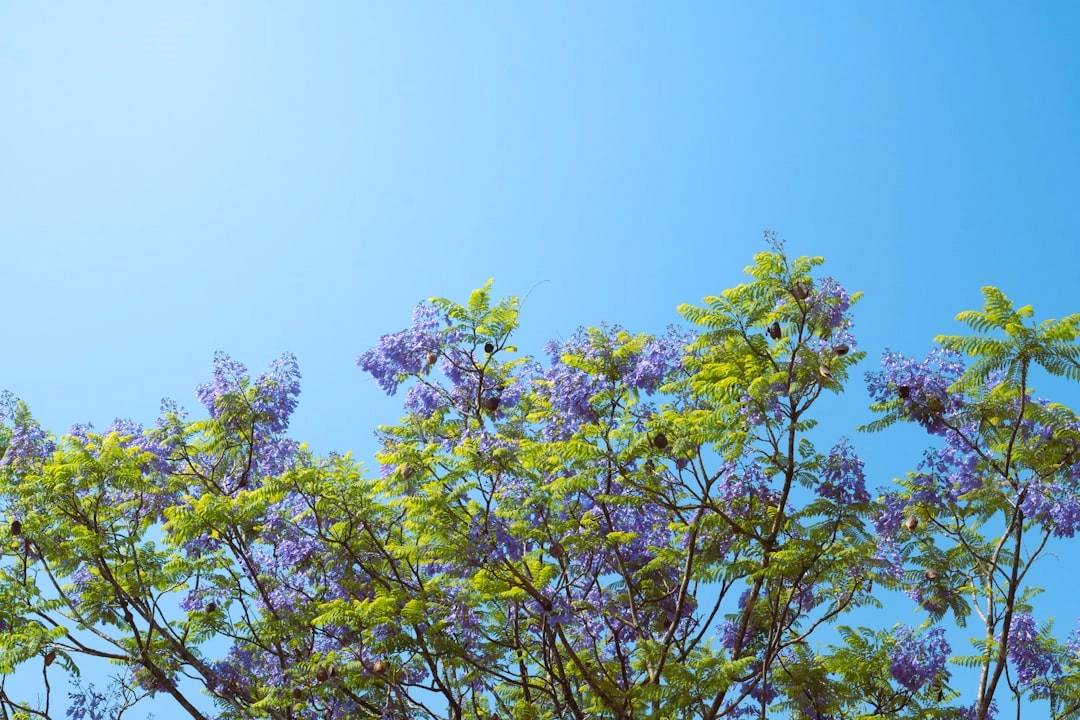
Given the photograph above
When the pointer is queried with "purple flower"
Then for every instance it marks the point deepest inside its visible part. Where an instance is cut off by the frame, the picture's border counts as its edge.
(922, 387)
(1053, 503)
(257, 413)
(888, 555)
(404, 353)
(843, 480)
(1032, 659)
(28, 442)
(888, 523)
(596, 360)
(915, 661)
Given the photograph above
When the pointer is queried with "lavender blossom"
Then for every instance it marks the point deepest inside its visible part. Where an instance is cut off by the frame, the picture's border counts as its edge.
(922, 386)
(914, 661)
(1033, 661)
(843, 480)
(404, 353)
(29, 443)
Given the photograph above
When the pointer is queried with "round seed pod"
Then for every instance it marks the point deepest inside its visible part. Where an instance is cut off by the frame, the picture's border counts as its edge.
(407, 471)
(50, 657)
(774, 331)
(16, 527)
(911, 523)
(322, 675)
(841, 350)
(557, 550)
(431, 358)
(297, 694)
(380, 667)
(904, 391)
(800, 291)
(489, 348)
(660, 441)
(211, 607)
(825, 372)
(931, 574)
(491, 403)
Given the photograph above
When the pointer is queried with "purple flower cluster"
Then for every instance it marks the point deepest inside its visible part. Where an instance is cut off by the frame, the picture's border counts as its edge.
(922, 386)
(256, 413)
(275, 394)
(592, 361)
(130, 434)
(889, 557)
(1033, 661)
(1054, 504)
(404, 353)
(888, 523)
(827, 312)
(843, 480)
(914, 661)
(29, 442)
(744, 490)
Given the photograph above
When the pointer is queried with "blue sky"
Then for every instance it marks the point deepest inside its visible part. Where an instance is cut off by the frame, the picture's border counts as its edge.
(267, 177)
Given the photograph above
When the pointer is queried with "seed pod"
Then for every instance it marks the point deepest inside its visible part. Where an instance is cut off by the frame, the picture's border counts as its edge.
(50, 657)
(211, 607)
(800, 291)
(431, 358)
(489, 348)
(407, 471)
(774, 331)
(297, 694)
(557, 551)
(16, 527)
(911, 523)
(931, 574)
(491, 403)
(825, 372)
(840, 350)
(322, 675)
(659, 441)
(904, 391)
(379, 668)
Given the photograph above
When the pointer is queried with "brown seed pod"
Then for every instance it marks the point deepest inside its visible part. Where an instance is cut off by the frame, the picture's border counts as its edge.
(774, 331)
(16, 527)
(489, 348)
(491, 403)
(50, 657)
(322, 675)
(297, 694)
(407, 471)
(659, 441)
(931, 574)
(841, 350)
(800, 291)
(557, 550)
(431, 358)
(911, 523)
(825, 372)
(904, 391)
(380, 667)
(211, 607)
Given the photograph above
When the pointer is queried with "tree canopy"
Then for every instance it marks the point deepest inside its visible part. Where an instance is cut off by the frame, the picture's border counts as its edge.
(629, 526)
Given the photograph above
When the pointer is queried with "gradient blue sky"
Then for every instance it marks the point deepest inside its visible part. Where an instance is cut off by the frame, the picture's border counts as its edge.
(256, 178)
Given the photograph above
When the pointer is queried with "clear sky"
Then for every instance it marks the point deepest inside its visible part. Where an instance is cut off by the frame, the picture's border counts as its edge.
(265, 177)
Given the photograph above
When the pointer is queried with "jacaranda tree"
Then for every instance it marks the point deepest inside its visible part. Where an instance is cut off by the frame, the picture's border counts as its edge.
(636, 526)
